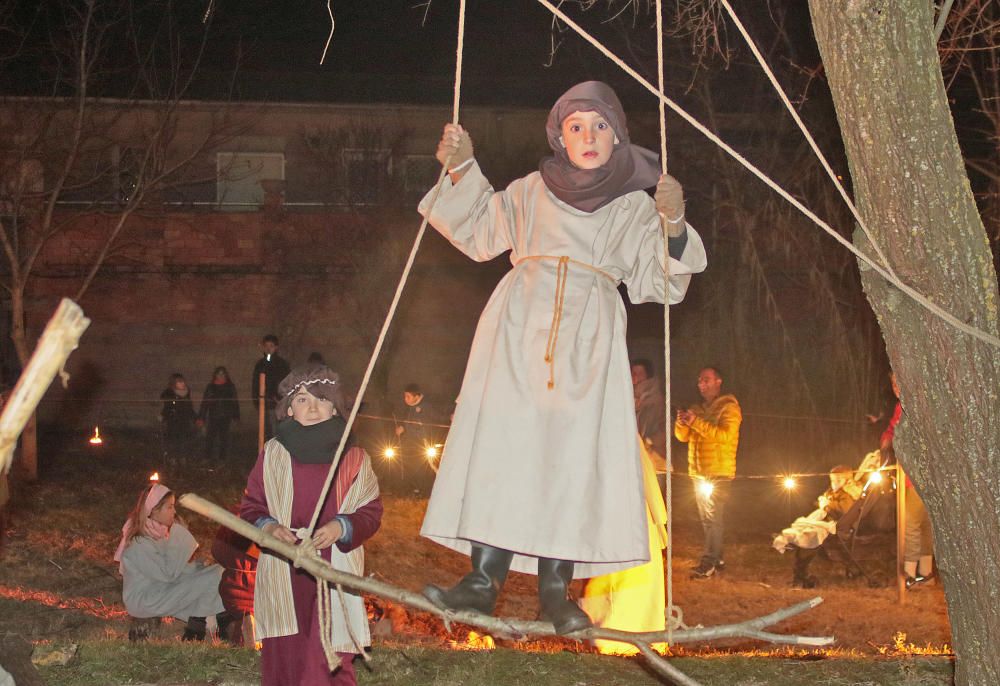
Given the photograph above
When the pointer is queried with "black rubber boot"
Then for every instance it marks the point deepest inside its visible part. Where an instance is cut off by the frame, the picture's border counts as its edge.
(553, 601)
(479, 588)
(195, 629)
(230, 627)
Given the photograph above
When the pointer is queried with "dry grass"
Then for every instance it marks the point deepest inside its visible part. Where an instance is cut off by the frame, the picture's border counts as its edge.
(58, 584)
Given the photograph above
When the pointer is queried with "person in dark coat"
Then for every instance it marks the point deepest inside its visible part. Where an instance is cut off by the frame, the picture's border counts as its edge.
(177, 418)
(219, 407)
(274, 368)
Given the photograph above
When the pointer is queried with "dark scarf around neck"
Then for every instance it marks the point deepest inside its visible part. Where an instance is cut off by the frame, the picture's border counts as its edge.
(314, 444)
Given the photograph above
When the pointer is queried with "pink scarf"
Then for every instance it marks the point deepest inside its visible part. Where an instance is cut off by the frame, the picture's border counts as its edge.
(150, 528)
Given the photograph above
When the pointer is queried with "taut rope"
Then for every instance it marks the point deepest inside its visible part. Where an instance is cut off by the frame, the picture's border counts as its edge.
(667, 425)
(322, 589)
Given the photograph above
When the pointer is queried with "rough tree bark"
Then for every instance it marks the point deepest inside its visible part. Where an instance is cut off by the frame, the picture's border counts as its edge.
(914, 195)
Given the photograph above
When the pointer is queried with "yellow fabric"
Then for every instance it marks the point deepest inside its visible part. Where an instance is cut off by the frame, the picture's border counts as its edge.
(712, 438)
(633, 599)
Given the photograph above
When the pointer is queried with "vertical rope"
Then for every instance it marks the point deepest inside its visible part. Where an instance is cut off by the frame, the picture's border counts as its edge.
(322, 587)
(667, 485)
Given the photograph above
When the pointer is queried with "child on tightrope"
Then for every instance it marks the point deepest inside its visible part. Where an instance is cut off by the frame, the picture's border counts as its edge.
(159, 579)
(541, 469)
(281, 496)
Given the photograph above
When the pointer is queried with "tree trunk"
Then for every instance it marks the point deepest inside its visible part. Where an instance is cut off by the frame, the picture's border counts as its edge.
(29, 437)
(913, 193)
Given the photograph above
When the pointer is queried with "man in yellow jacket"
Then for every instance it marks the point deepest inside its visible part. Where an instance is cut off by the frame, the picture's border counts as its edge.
(712, 431)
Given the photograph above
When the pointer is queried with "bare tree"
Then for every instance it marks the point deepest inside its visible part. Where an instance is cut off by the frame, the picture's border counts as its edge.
(98, 126)
(914, 195)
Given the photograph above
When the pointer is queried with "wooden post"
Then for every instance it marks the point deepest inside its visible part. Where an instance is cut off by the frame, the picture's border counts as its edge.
(261, 409)
(59, 339)
(900, 532)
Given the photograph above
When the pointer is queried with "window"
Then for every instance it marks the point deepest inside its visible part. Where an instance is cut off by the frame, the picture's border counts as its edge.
(367, 173)
(240, 175)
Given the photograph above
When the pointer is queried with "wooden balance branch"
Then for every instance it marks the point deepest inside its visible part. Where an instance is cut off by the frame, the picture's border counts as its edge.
(515, 629)
(60, 338)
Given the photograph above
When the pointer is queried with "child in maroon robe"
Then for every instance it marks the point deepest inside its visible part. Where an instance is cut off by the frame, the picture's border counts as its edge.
(282, 492)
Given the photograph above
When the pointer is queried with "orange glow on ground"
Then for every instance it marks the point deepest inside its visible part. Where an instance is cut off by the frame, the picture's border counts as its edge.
(94, 607)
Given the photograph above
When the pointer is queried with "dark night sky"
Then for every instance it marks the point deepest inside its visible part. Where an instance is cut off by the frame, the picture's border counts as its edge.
(382, 50)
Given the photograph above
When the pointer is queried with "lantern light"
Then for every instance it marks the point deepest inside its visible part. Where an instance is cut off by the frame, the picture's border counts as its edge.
(431, 452)
(789, 483)
(706, 488)
(96, 438)
(389, 453)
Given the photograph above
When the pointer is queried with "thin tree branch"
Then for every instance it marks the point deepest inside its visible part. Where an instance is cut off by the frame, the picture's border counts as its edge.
(506, 627)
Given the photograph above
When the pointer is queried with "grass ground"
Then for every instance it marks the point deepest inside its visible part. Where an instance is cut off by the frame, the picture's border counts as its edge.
(58, 585)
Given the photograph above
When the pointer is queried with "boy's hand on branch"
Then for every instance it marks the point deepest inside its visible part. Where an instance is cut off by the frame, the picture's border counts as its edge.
(328, 534)
(455, 148)
(282, 533)
(669, 199)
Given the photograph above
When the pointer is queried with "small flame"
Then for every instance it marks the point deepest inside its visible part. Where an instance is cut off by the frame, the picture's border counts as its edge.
(154, 477)
(475, 641)
(96, 438)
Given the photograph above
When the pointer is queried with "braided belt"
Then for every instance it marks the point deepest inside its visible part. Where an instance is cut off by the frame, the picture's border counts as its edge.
(562, 271)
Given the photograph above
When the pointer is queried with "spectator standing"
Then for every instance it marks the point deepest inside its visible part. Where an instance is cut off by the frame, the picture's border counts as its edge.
(178, 420)
(418, 440)
(220, 406)
(918, 561)
(274, 368)
(712, 431)
(650, 412)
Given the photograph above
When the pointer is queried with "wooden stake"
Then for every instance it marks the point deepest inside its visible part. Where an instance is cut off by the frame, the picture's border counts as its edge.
(60, 338)
(261, 409)
(900, 532)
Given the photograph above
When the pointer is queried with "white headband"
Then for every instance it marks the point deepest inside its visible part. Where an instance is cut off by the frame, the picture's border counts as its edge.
(309, 383)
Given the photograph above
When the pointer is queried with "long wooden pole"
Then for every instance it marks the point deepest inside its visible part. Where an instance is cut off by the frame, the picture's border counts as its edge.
(60, 338)
(261, 409)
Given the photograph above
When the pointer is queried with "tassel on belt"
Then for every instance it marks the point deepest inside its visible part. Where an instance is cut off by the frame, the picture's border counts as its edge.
(562, 271)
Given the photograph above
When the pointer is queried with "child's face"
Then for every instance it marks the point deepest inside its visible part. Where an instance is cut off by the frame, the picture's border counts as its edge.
(837, 480)
(412, 399)
(307, 409)
(588, 138)
(165, 512)
(180, 386)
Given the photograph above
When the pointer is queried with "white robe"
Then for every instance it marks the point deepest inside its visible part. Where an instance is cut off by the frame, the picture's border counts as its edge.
(159, 580)
(550, 472)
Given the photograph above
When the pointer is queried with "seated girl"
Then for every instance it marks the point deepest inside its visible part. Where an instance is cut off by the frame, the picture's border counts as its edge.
(155, 561)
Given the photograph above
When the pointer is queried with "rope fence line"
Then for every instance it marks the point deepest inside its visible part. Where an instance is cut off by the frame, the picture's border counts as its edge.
(384, 418)
(911, 292)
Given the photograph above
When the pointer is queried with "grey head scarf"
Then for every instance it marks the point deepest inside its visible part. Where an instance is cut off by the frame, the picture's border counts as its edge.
(630, 167)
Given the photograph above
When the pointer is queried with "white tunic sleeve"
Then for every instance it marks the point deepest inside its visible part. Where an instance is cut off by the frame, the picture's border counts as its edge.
(472, 216)
(645, 280)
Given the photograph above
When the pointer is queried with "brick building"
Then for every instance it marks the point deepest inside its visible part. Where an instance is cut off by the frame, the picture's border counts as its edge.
(292, 219)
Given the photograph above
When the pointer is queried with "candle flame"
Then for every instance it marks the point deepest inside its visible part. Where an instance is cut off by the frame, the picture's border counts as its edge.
(96, 438)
